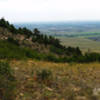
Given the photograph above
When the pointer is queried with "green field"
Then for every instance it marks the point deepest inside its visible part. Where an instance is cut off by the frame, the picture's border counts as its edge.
(82, 42)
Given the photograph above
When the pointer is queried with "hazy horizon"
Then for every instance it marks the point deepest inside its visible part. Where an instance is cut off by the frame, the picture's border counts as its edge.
(58, 22)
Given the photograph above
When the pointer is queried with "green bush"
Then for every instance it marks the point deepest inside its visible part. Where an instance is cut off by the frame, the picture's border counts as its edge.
(51, 57)
(9, 50)
(56, 50)
(7, 82)
(11, 40)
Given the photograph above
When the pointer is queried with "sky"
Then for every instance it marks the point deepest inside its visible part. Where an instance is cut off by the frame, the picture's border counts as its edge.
(49, 10)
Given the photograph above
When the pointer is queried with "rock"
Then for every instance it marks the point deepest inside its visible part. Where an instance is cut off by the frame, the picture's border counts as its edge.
(21, 94)
(96, 91)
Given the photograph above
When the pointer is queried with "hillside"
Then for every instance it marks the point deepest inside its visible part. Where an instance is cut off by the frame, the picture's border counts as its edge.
(23, 43)
(28, 44)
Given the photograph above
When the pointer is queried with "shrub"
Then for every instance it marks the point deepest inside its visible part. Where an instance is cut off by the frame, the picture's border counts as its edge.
(56, 50)
(44, 76)
(7, 82)
(11, 40)
(51, 57)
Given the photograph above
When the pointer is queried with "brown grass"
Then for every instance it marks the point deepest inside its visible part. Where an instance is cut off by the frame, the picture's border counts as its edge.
(69, 81)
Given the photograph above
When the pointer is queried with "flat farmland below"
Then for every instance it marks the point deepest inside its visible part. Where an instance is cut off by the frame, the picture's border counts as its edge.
(84, 43)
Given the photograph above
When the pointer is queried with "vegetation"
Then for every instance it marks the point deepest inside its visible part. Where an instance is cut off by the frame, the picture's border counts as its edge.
(9, 50)
(41, 80)
(44, 76)
(7, 82)
(36, 36)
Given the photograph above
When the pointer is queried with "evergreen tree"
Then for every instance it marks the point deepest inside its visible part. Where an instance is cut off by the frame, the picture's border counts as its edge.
(36, 31)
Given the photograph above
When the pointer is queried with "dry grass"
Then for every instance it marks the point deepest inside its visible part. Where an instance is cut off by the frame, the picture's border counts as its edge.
(69, 81)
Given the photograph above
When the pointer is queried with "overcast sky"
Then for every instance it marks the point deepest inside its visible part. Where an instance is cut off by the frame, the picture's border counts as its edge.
(49, 10)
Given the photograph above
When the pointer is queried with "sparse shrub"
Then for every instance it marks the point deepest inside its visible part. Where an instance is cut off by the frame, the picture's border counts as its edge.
(44, 76)
(7, 82)
(47, 94)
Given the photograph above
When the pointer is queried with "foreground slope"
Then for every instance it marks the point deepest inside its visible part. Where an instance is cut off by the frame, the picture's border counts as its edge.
(64, 82)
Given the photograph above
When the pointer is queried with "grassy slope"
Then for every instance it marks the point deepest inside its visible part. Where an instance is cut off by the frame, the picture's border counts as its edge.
(83, 43)
(69, 81)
